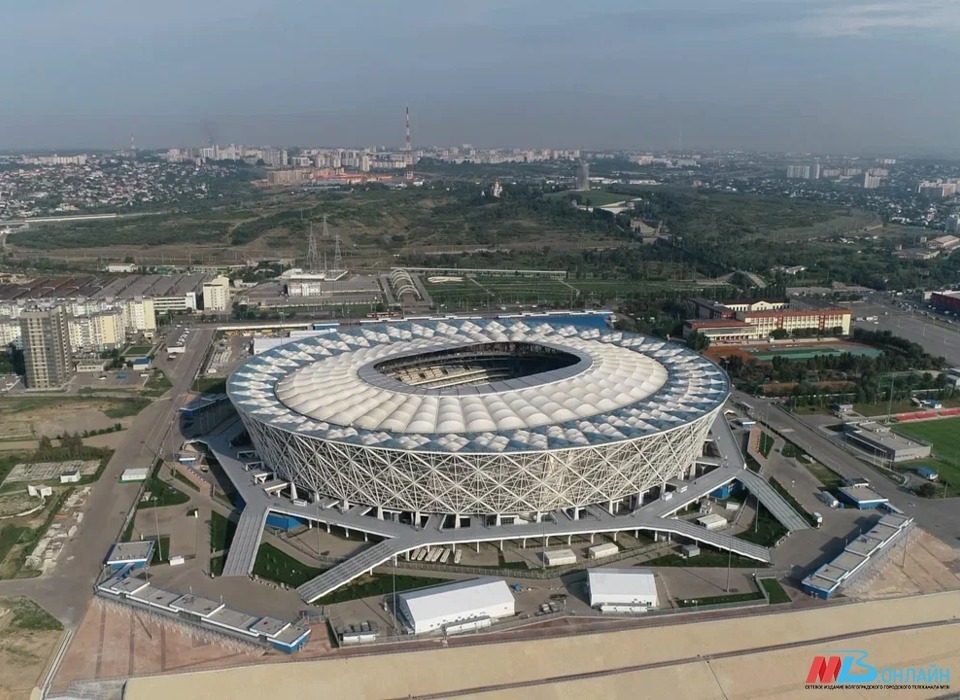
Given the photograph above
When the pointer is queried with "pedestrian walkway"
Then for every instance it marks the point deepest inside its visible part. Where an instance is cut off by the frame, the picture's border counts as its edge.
(771, 500)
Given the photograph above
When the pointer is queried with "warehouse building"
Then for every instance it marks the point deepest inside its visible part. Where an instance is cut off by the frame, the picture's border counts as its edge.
(456, 607)
(622, 590)
(877, 439)
(862, 497)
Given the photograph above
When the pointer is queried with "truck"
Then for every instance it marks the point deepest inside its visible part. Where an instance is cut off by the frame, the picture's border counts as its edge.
(828, 498)
(817, 518)
(927, 473)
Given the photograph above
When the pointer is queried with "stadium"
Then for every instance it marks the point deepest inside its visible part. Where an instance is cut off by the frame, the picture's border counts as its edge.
(497, 419)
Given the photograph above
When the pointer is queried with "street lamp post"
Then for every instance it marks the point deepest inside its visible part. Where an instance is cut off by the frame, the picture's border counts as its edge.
(156, 522)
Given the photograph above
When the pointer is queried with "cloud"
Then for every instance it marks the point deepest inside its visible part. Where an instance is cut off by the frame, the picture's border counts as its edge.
(865, 19)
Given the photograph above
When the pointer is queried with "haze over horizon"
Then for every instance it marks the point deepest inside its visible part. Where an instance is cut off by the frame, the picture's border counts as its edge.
(824, 75)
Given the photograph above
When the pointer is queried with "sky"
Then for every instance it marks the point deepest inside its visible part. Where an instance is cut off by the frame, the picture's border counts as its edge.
(870, 76)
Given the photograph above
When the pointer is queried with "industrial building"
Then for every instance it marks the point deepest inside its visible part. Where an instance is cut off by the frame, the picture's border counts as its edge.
(622, 590)
(456, 607)
(501, 418)
(130, 554)
(46, 348)
(857, 556)
(878, 440)
(861, 496)
(947, 301)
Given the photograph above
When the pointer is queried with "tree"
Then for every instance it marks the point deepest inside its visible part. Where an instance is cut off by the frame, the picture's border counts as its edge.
(698, 341)
(927, 490)
(779, 333)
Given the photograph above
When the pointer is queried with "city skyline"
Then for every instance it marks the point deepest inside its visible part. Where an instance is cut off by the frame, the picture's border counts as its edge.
(827, 76)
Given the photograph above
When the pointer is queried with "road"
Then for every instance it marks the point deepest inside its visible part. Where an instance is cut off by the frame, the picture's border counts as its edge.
(66, 591)
(938, 516)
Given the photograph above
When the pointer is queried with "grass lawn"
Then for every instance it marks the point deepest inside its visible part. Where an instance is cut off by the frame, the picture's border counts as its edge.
(9, 537)
(944, 435)
(221, 532)
(216, 565)
(824, 475)
(376, 585)
(707, 558)
(718, 599)
(881, 408)
(774, 591)
(127, 407)
(157, 384)
(27, 615)
(766, 444)
(162, 494)
(768, 530)
(184, 480)
(210, 385)
(277, 566)
(137, 350)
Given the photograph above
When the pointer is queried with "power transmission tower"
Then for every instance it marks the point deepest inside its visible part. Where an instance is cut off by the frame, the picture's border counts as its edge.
(313, 255)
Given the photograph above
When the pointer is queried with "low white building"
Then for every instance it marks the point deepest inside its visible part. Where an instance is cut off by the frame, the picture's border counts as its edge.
(607, 549)
(622, 590)
(454, 605)
(559, 557)
(713, 521)
(134, 474)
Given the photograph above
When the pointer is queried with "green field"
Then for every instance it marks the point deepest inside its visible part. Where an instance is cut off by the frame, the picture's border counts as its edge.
(809, 352)
(487, 291)
(137, 350)
(944, 435)
(278, 566)
(162, 494)
(490, 292)
(774, 590)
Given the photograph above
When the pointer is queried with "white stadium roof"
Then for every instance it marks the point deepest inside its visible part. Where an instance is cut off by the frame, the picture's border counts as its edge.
(619, 386)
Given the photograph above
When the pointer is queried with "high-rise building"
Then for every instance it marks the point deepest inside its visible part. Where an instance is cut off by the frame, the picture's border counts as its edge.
(801, 172)
(46, 348)
(871, 182)
(216, 294)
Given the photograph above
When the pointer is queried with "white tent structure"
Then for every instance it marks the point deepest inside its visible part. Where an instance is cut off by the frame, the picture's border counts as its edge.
(457, 606)
(622, 590)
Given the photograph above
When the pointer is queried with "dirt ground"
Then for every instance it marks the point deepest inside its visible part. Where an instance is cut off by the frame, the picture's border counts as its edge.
(54, 419)
(24, 655)
(929, 566)
(113, 642)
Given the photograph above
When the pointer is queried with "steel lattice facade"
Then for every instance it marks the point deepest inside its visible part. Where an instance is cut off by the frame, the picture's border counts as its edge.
(597, 456)
(524, 482)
